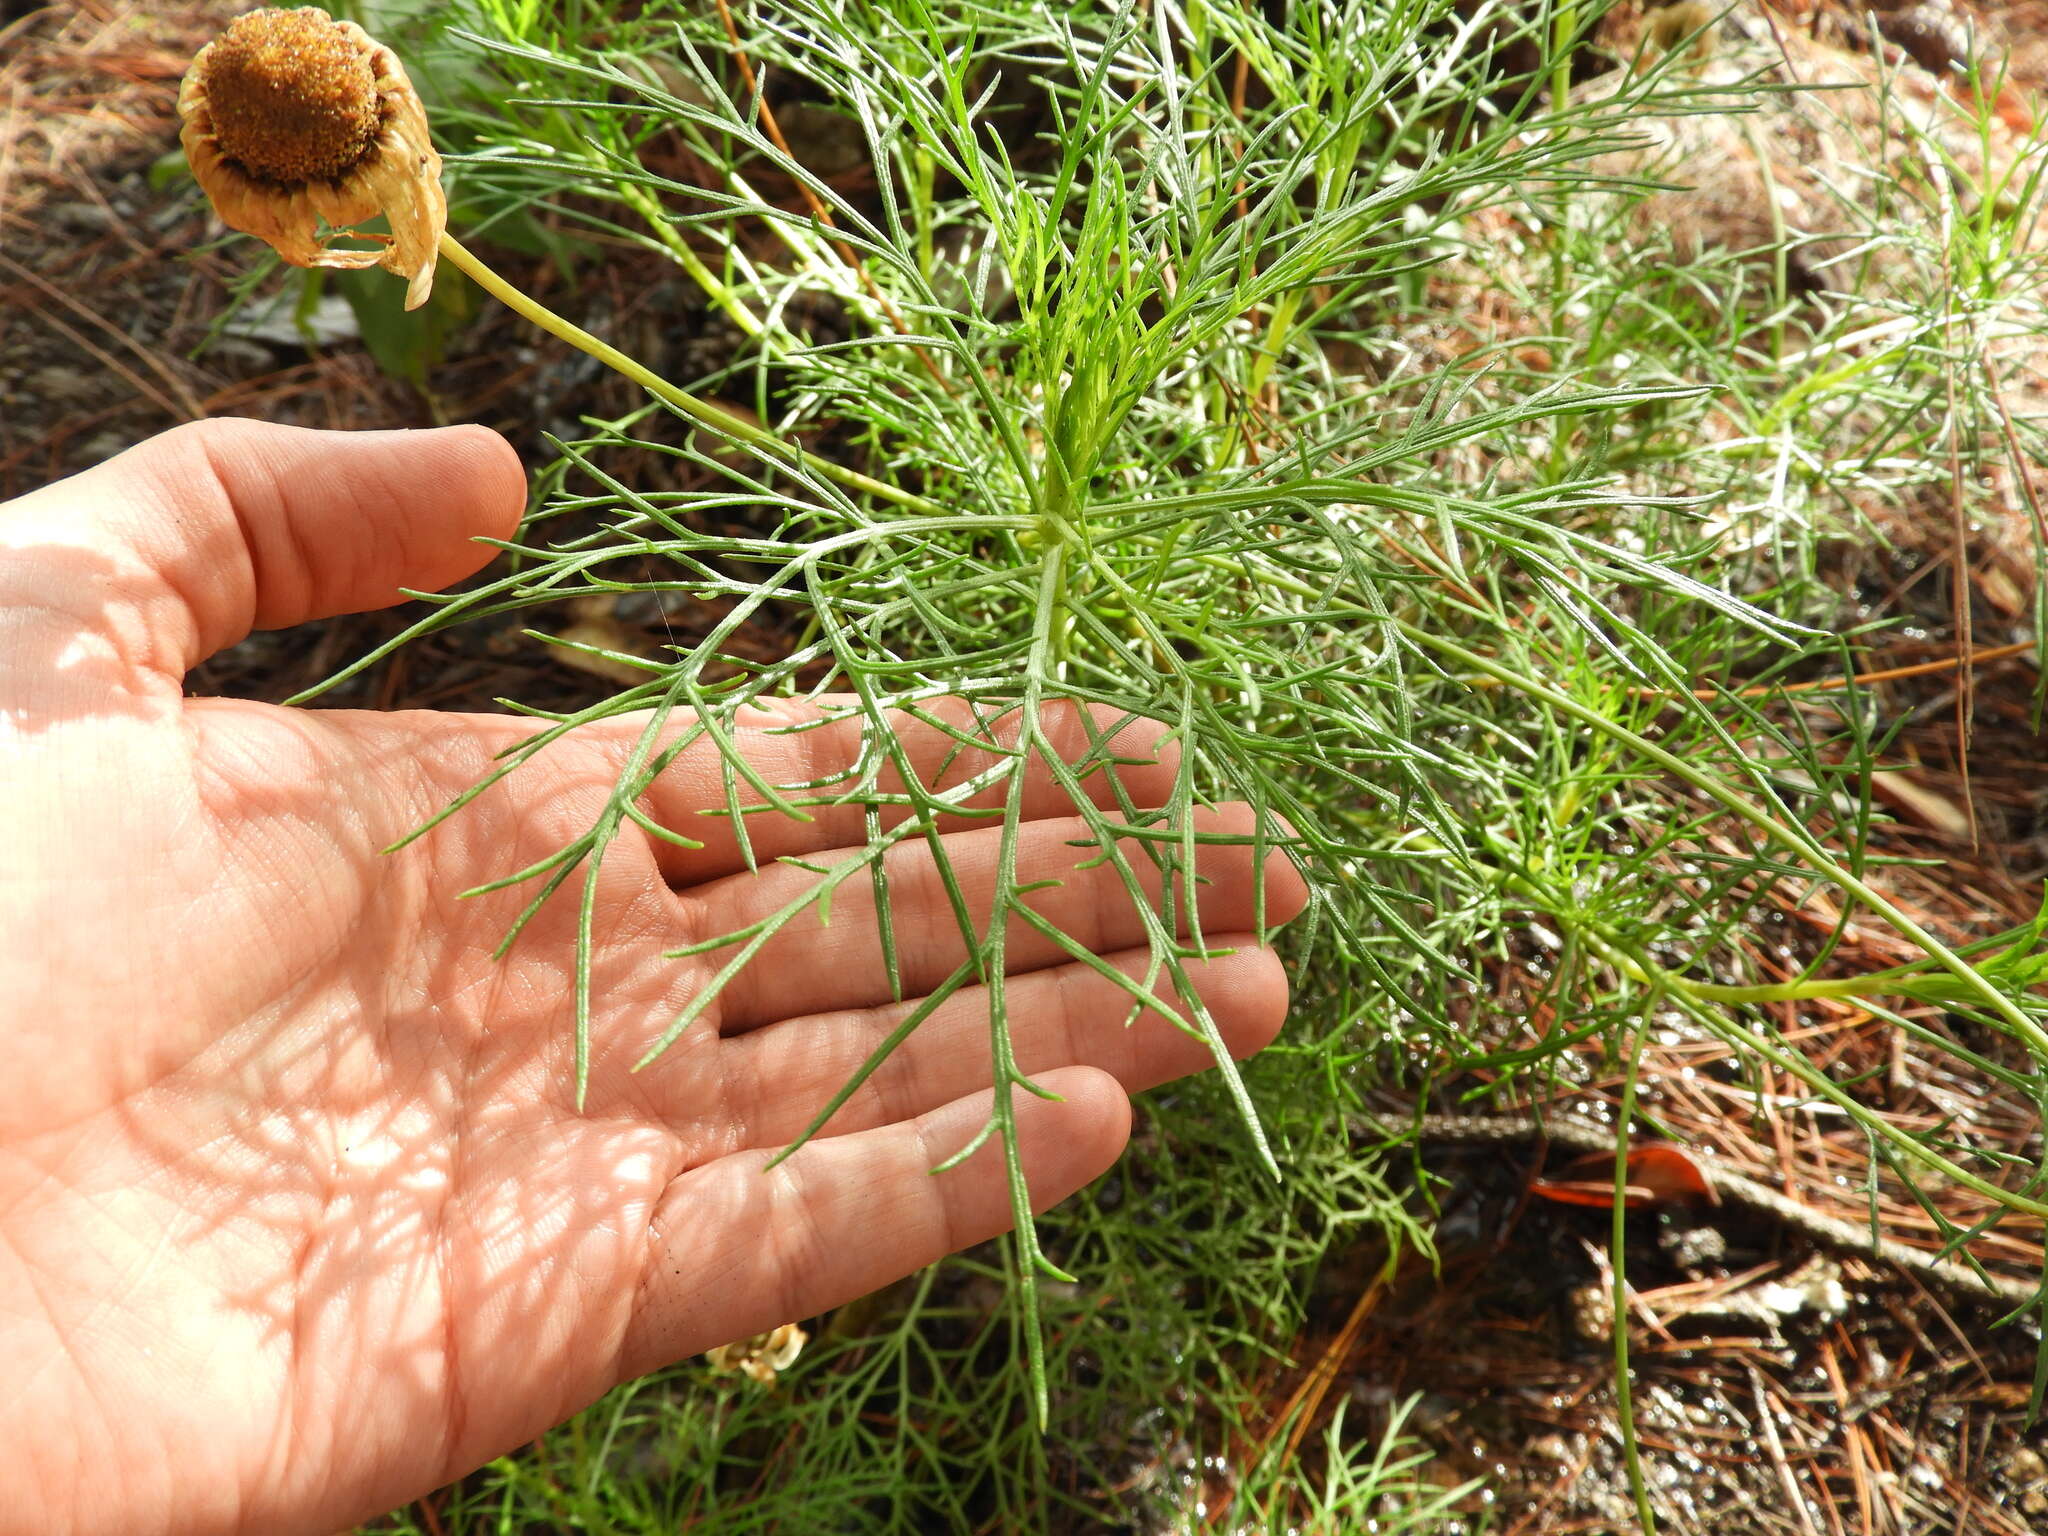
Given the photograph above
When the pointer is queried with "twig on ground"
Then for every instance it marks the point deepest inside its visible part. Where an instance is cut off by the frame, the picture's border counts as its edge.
(1948, 1276)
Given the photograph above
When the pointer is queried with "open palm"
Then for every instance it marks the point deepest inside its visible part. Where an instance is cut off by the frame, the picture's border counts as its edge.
(298, 1215)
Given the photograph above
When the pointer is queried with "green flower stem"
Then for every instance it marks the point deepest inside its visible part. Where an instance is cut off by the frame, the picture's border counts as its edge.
(1802, 1068)
(714, 416)
(1787, 991)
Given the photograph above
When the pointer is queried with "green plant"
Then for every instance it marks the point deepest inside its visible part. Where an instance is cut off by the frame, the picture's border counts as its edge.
(1124, 415)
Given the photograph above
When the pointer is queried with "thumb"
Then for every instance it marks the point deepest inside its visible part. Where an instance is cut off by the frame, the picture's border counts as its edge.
(162, 556)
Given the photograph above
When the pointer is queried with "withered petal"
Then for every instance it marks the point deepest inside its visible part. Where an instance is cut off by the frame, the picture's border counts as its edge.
(400, 178)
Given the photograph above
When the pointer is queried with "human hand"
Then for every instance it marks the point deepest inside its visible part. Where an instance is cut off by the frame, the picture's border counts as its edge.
(298, 1216)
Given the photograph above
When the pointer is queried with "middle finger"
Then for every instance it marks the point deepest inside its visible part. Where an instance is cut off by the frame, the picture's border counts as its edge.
(812, 965)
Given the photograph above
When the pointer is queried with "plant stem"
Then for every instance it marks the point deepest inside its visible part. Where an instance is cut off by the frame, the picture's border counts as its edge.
(1781, 244)
(1785, 991)
(706, 412)
(1617, 1251)
(1564, 27)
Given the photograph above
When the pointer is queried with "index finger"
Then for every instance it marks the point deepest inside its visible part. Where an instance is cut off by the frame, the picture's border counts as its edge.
(824, 757)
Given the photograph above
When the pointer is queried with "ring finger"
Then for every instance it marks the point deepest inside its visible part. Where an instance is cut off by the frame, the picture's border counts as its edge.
(778, 1078)
(833, 956)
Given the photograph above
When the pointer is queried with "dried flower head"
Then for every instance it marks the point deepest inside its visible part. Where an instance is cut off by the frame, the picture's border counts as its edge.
(763, 1357)
(291, 118)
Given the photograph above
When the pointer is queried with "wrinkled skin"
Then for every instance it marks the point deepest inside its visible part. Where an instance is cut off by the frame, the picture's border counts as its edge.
(298, 1218)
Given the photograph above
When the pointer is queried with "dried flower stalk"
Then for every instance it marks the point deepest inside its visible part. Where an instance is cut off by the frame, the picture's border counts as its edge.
(300, 127)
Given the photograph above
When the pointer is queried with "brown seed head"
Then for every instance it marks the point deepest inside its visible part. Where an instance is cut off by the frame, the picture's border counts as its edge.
(294, 96)
(1673, 24)
(301, 128)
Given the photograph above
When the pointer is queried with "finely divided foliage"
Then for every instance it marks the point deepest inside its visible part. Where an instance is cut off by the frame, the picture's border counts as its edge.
(1119, 416)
